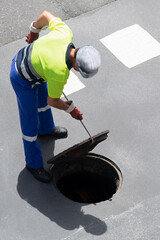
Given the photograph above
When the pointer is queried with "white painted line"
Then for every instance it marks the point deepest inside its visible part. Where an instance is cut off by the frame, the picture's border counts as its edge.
(132, 45)
(73, 84)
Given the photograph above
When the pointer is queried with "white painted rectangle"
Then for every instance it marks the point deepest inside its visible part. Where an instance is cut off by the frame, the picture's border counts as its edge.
(73, 84)
(132, 45)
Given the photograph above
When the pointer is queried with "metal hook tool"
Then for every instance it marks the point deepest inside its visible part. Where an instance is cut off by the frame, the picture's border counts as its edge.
(81, 122)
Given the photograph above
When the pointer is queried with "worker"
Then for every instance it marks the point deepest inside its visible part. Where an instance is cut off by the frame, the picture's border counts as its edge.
(38, 74)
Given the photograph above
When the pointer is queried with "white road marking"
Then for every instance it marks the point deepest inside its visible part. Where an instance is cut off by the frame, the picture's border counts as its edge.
(132, 45)
(73, 84)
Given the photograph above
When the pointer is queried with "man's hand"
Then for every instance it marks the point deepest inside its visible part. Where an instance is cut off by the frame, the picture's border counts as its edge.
(76, 114)
(34, 33)
(31, 37)
(43, 20)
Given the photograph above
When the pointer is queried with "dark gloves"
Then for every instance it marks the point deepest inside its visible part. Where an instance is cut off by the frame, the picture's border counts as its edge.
(75, 113)
(33, 35)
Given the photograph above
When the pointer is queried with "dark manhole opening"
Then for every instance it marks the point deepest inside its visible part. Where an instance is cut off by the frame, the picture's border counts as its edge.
(90, 178)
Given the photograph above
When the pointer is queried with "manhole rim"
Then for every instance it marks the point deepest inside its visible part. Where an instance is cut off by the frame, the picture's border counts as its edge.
(114, 165)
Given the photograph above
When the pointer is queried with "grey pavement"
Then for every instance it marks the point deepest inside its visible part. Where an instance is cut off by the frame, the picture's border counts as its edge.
(123, 100)
(16, 15)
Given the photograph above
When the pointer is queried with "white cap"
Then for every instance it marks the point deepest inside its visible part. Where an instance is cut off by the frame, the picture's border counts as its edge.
(88, 61)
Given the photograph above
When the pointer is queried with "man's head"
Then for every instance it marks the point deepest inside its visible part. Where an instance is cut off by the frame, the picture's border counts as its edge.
(87, 61)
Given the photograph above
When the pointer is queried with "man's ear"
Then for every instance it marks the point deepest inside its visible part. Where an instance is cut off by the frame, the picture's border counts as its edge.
(75, 53)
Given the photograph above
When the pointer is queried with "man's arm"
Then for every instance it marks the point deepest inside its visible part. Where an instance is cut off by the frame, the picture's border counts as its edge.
(66, 106)
(57, 103)
(44, 18)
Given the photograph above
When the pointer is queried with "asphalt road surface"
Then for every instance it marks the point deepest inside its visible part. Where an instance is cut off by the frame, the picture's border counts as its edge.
(123, 97)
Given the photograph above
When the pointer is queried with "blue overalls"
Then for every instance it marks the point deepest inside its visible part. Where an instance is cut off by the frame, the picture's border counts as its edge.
(35, 115)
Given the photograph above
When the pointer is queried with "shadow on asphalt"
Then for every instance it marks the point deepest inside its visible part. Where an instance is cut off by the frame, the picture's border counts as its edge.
(48, 201)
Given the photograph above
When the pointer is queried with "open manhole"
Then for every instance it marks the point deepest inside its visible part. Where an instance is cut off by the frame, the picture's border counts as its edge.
(90, 178)
(86, 177)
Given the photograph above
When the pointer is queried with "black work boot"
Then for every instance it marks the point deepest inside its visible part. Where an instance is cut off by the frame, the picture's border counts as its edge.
(40, 174)
(58, 133)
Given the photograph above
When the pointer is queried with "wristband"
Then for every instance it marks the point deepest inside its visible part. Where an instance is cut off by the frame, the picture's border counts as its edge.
(33, 29)
(71, 108)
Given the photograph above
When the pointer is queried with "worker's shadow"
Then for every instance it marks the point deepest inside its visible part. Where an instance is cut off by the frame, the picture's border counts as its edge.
(54, 205)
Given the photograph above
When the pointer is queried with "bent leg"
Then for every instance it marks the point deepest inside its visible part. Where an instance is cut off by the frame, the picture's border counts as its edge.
(27, 98)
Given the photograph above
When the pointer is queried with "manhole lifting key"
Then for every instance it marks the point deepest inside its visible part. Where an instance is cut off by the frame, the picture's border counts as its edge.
(81, 122)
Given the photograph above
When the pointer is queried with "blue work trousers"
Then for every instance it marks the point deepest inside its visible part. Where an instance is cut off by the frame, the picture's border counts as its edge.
(35, 115)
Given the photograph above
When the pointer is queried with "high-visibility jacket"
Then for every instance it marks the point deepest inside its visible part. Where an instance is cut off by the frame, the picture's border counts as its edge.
(45, 59)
